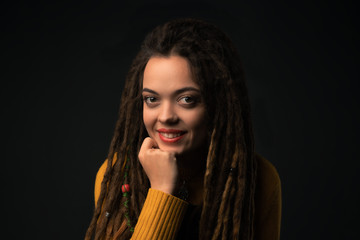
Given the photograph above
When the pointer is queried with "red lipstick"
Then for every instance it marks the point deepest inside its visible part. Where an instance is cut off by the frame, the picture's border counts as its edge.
(170, 135)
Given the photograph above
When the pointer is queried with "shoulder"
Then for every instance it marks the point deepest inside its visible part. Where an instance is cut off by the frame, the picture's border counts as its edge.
(100, 176)
(267, 200)
(267, 175)
(98, 180)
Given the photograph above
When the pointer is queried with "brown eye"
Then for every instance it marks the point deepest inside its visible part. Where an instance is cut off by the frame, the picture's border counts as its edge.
(187, 100)
(151, 101)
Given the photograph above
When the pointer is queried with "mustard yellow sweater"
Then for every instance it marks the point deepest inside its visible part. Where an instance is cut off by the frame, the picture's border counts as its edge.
(164, 216)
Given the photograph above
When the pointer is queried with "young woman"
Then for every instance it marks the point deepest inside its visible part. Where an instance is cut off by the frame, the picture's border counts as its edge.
(183, 162)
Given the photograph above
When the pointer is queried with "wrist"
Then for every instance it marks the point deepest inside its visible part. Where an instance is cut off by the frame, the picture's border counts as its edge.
(168, 189)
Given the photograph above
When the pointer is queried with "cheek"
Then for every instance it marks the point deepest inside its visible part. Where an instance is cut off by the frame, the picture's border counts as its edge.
(149, 119)
(196, 121)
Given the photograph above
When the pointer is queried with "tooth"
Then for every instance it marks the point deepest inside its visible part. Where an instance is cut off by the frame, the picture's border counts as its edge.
(171, 135)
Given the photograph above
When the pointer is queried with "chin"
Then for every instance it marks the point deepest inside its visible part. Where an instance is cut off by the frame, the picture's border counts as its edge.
(176, 150)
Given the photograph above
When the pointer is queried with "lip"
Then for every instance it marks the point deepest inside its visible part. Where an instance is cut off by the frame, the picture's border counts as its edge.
(170, 131)
(165, 130)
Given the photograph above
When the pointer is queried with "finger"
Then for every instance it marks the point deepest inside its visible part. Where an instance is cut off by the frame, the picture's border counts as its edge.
(149, 143)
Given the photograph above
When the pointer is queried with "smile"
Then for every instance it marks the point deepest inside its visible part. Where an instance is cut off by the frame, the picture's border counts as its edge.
(170, 135)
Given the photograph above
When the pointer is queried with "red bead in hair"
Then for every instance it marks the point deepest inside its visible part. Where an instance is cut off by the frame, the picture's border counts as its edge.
(125, 188)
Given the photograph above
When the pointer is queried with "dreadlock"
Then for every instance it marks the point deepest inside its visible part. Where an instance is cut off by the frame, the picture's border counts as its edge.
(229, 181)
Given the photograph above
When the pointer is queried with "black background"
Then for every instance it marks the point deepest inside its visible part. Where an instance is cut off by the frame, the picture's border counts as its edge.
(63, 68)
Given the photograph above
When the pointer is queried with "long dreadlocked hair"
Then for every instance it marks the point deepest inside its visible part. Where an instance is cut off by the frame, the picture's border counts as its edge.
(229, 181)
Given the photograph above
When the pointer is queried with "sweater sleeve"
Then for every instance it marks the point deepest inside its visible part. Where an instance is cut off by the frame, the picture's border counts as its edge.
(160, 217)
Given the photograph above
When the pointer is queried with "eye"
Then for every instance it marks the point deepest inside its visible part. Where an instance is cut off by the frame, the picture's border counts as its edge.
(150, 101)
(187, 100)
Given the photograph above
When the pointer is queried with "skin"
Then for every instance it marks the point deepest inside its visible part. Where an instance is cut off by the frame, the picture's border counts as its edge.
(174, 117)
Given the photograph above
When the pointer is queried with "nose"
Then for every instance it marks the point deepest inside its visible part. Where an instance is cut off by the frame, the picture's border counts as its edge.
(168, 114)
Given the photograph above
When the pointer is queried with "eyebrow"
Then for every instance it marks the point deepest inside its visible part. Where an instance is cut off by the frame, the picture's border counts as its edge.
(185, 89)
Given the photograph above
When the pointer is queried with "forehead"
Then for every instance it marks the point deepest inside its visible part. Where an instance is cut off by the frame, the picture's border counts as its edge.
(168, 73)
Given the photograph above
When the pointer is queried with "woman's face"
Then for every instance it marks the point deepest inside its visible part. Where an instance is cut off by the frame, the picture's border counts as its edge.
(174, 112)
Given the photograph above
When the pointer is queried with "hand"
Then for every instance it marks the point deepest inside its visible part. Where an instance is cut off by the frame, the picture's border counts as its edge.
(160, 166)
